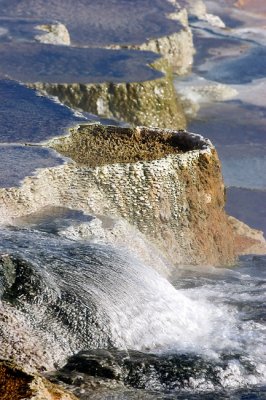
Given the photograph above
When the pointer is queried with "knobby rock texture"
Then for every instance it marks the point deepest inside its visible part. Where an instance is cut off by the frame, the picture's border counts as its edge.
(168, 184)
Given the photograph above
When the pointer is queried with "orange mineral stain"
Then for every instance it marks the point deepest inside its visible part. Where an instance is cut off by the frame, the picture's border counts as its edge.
(256, 6)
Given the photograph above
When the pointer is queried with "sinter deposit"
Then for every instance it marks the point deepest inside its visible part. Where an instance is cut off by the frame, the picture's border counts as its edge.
(150, 103)
(167, 184)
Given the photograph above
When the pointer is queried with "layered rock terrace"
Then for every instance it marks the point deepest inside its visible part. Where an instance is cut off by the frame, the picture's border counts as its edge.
(168, 184)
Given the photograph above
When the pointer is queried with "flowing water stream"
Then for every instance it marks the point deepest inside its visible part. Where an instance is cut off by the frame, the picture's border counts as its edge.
(202, 333)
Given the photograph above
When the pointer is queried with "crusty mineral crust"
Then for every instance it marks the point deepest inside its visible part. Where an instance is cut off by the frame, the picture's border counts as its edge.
(14, 384)
(96, 145)
(247, 240)
(150, 103)
(177, 200)
(177, 49)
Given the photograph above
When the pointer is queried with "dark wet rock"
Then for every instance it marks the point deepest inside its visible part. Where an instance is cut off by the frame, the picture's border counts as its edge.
(167, 372)
(33, 62)
(59, 296)
(64, 314)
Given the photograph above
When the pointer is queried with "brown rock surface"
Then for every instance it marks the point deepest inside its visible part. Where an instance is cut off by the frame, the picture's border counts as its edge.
(247, 240)
(94, 145)
(15, 384)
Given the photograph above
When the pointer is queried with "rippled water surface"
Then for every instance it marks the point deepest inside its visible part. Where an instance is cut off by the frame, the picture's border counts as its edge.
(62, 64)
(36, 119)
(99, 22)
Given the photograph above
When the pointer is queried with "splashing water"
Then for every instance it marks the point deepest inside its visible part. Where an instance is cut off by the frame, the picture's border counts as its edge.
(85, 295)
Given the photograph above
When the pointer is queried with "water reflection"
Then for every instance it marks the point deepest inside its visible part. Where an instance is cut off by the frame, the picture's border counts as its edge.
(243, 69)
(36, 119)
(33, 62)
(235, 56)
(248, 158)
(20, 29)
(100, 22)
(52, 219)
(248, 206)
(17, 162)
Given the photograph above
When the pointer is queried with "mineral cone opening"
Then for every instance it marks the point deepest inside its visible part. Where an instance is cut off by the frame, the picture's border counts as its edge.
(95, 145)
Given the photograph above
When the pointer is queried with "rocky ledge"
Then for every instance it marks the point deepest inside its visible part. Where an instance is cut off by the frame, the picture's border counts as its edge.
(16, 384)
(150, 103)
(167, 184)
(161, 188)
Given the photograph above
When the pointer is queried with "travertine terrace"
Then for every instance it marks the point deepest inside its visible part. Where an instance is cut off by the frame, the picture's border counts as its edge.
(168, 184)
